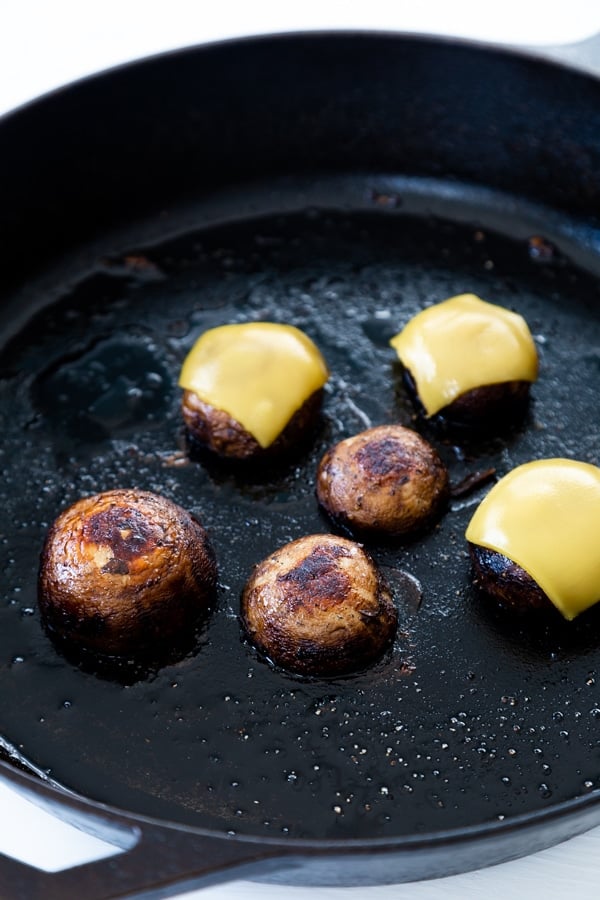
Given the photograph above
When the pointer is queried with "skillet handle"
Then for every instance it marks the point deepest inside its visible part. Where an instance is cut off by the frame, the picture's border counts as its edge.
(583, 56)
(161, 862)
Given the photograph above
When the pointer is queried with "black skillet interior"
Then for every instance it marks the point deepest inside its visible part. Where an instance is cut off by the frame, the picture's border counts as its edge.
(473, 717)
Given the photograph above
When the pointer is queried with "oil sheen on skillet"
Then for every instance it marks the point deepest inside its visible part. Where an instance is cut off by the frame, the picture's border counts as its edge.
(473, 716)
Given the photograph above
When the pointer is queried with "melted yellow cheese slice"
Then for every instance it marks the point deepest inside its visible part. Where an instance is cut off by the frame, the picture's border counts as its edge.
(260, 373)
(461, 344)
(545, 516)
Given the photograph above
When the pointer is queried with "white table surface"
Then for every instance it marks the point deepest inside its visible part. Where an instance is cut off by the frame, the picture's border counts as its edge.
(46, 44)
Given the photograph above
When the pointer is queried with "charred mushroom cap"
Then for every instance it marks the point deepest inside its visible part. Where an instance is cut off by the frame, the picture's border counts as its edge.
(123, 573)
(223, 435)
(386, 480)
(507, 582)
(318, 606)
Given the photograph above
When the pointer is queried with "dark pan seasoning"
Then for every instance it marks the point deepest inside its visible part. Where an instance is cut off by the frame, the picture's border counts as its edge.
(471, 716)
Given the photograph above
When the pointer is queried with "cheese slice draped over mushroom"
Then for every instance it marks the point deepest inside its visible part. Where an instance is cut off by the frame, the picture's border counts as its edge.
(461, 344)
(545, 516)
(260, 373)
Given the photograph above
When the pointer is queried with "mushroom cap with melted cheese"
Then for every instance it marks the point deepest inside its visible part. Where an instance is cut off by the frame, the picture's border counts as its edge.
(534, 539)
(467, 359)
(252, 388)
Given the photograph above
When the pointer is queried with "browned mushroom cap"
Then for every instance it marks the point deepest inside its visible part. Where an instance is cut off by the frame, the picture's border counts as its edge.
(386, 480)
(124, 572)
(318, 606)
(507, 582)
(223, 435)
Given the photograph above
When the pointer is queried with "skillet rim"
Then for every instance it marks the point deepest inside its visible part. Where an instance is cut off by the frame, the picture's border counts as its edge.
(542, 55)
(519, 822)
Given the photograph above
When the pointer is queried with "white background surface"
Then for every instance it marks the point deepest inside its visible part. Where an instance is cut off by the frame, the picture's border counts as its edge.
(45, 44)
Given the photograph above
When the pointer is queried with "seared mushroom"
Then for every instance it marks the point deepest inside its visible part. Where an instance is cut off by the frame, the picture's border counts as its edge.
(468, 362)
(384, 481)
(318, 606)
(253, 390)
(534, 539)
(124, 573)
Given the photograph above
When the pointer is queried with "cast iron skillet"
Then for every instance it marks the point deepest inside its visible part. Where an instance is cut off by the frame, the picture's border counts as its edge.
(338, 182)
